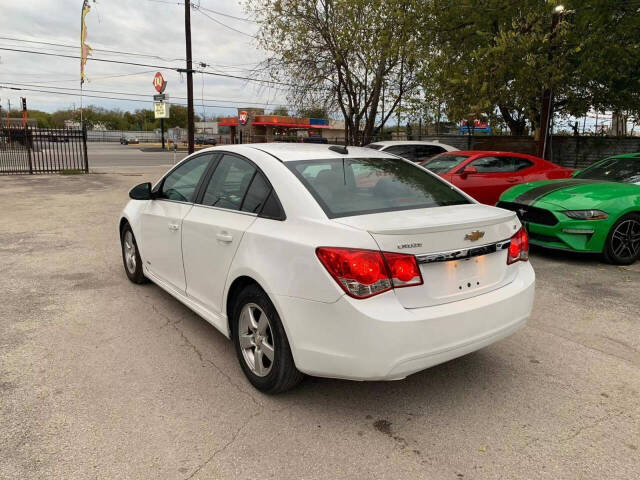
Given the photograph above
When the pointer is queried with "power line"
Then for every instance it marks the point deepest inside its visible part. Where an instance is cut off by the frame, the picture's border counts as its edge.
(165, 67)
(223, 24)
(161, 67)
(104, 97)
(66, 45)
(146, 95)
(242, 19)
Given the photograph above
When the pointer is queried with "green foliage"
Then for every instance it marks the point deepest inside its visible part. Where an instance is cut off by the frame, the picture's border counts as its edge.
(280, 111)
(500, 56)
(356, 57)
(110, 119)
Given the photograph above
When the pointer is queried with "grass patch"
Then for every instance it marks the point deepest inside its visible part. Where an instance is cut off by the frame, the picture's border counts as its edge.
(72, 171)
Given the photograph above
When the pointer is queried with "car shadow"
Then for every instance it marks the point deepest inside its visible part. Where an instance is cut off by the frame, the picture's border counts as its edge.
(567, 256)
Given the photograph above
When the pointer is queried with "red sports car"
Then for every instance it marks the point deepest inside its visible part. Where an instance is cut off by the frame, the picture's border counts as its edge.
(485, 175)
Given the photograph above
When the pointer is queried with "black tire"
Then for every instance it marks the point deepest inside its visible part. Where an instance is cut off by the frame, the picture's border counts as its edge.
(282, 373)
(623, 242)
(133, 269)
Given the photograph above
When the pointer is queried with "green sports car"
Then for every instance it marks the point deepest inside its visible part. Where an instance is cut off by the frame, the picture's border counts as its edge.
(597, 210)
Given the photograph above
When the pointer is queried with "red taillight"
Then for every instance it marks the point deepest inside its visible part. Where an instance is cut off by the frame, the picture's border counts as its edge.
(364, 273)
(519, 247)
(403, 268)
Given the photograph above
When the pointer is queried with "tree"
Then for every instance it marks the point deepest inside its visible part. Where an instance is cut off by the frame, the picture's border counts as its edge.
(356, 57)
(281, 111)
(513, 57)
(313, 111)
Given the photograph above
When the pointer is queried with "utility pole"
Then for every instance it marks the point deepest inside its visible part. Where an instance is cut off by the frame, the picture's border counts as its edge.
(189, 71)
(547, 95)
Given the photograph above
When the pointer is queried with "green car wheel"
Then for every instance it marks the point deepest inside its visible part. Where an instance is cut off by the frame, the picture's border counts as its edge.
(623, 241)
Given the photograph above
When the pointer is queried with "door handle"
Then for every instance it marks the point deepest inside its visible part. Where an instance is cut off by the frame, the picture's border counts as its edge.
(224, 237)
(174, 227)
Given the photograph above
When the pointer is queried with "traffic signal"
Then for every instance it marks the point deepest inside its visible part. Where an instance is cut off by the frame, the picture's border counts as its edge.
(24, 104)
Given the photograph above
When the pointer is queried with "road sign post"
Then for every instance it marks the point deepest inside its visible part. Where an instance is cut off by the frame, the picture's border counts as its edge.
(161, 107)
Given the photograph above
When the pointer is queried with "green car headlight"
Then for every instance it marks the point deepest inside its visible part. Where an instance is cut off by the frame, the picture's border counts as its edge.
(586, 214)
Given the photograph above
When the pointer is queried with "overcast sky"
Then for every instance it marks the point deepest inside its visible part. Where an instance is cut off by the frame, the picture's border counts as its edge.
(139, 26)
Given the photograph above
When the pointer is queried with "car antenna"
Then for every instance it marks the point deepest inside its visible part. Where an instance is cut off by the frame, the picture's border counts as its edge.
(339, 149)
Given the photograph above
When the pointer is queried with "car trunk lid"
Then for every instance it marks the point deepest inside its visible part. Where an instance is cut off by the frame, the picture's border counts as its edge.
(461, 249)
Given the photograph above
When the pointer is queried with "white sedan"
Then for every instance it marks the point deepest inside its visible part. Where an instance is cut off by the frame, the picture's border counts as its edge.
(414, 150)
(329, 261)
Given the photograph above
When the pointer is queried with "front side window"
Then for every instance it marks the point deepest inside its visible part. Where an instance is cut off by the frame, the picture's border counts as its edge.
(359, 186)
(181, 183)
(625, 170)
(493, 164)
(229, 183)
(444, 162)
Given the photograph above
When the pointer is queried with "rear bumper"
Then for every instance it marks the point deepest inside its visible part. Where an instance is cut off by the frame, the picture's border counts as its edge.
(378, 339)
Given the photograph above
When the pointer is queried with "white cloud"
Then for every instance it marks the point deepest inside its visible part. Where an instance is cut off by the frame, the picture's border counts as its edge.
(130, 26)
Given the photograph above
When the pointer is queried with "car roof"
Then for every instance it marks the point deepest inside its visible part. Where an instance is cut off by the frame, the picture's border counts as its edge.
(627, 155)
(488, 152)
(389, 143)
(288, 152)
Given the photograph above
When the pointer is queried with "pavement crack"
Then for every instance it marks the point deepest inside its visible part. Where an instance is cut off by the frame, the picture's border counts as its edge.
(231, 441)
(591, 425)
(169, 322)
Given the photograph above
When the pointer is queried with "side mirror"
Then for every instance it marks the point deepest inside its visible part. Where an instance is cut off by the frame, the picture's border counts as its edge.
(575, 172)
(467, 171)
(141, 192)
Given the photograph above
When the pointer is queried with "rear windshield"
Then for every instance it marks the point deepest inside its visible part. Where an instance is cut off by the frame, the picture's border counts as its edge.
(444, 162)
(359, 186)
(375, 146)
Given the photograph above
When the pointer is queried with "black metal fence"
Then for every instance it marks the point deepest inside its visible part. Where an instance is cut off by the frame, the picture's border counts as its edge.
(43, 150)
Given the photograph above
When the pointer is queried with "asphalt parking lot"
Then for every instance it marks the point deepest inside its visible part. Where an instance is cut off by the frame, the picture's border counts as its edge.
(100, 378)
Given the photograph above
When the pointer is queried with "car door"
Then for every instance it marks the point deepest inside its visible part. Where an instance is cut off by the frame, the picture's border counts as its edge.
(491, 176)
(212, 230)
(162, 220)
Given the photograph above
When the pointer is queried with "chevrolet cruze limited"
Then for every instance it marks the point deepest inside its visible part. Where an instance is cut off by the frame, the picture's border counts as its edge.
(330, 261)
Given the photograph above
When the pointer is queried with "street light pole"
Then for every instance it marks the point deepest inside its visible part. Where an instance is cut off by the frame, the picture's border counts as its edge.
(189, 71)
(547, 95)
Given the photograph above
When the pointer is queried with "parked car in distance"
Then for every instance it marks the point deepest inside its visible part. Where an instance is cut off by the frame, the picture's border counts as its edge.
(414, 150)
(485, 174)
(129, 140)
(206, 141)
(282, 249)
(598, 210)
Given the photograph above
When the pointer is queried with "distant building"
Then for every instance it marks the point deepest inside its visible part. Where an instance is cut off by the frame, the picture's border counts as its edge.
(71, 124)
(17, 122)
(206, 128)
(252, 125)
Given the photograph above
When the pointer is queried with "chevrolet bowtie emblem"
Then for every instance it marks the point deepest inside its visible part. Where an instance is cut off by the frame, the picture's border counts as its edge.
(474, 236)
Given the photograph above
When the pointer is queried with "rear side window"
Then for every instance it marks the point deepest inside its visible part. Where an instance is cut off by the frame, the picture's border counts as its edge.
(424, 152)
(229, 183)
(256, 194)
(404, 151)
(520, 163)
(359, 186)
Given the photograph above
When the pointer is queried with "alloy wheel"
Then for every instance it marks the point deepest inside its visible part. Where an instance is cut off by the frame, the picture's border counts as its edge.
(625, 240)
(129, 248)
(256, 339)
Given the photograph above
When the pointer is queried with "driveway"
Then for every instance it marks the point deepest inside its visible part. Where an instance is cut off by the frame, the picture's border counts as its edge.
(100, 378)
